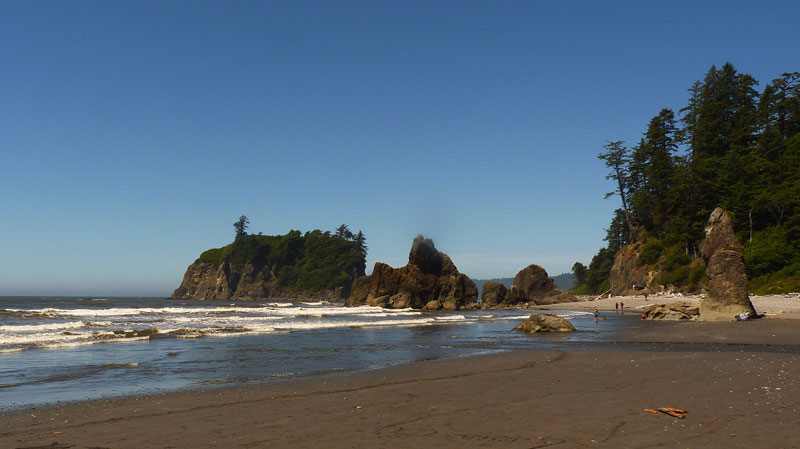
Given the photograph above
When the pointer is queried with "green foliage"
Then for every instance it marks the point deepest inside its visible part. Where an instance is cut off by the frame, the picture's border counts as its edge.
(731, 147)
(651, 252)
(580, 289)
(599, 269)
(312, 261)
(769, 251)
(580, 272)
(240, 226)
(785, 280)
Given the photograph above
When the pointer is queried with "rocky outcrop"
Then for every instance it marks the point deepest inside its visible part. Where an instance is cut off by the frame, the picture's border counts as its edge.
(204, 280)
(672, 312)
(430, 281)
(727, 286)
(545, 322)
(533, 285)
(226, 281)
(628, 276)
(494, 294)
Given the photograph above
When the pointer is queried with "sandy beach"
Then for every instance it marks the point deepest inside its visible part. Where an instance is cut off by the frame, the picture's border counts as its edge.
(736, 380)
(781, 306)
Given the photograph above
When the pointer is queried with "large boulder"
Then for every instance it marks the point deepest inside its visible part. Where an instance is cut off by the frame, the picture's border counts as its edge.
(430, 281)
(545, 322)
(494, 294)
(672, 312)
(533, 285)
(727, 286)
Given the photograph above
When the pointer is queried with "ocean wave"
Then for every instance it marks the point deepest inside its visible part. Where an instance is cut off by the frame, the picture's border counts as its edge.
(451, 318)
(41, 327)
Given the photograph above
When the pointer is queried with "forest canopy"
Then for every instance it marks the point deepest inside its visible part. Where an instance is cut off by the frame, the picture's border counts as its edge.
(731, 146)
(312, 261)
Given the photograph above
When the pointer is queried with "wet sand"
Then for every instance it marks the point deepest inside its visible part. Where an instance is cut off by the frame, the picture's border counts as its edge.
(738, 395)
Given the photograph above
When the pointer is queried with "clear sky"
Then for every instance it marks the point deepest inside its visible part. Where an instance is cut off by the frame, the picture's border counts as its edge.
(133, 134)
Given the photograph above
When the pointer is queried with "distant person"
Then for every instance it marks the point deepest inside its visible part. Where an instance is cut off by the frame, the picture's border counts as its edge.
(596, 313)
(616, 307)
(622, 307)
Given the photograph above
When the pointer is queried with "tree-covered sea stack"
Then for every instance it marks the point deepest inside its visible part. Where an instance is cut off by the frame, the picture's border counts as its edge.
(293, 266)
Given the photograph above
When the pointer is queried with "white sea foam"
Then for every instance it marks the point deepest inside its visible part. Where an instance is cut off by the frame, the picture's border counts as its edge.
(59, 327)
(42, 327)
(451, 318)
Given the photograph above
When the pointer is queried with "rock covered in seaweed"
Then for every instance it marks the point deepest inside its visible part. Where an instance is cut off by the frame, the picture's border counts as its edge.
(545, 322)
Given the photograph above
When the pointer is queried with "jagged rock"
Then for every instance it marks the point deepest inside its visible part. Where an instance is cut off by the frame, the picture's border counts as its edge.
(429, 281)
(672, 312)
(359, 291)
(532, 285)
(545, 322)
(204, 280)
(727, 286)
(628, 276)
(494, 293)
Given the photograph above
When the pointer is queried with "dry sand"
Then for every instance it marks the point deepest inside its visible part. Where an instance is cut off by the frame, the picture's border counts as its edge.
(738, 396)
(783, 306)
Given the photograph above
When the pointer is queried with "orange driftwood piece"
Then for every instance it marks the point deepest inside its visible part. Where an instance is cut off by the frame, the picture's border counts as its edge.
(675, 412)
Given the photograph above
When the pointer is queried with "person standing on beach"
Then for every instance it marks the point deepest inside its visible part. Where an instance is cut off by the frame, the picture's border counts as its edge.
(622, 307)
(616, 307)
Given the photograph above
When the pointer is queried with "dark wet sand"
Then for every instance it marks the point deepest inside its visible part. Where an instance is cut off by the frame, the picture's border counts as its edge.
(736, 395)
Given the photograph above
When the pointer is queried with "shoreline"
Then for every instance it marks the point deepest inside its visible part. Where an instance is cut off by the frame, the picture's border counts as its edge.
(773, 306)
(745, 397)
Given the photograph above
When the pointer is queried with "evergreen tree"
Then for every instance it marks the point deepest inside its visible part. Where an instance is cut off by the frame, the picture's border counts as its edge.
(580, 271)
(241, 226)
(344, 232)
(361, 243)
(654, 163)
(616, 158)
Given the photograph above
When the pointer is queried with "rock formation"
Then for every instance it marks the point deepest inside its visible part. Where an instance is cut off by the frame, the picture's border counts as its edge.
(628, 276)
(727, 286)
(545, 322)
(494, 294)
(672, 312)
(430, 281)
(315, 265)
(532, 285)
(227, 281)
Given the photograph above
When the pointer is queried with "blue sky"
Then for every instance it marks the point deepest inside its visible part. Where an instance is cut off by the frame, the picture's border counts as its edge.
(133, 134)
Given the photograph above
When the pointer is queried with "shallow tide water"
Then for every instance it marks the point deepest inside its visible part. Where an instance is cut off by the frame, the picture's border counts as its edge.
(65, 349)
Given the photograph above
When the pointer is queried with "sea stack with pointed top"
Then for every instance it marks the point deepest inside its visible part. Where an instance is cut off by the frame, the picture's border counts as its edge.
(727, 286)
(430, 281)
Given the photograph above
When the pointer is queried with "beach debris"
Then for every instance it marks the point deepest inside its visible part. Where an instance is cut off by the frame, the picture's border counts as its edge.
(674, 412)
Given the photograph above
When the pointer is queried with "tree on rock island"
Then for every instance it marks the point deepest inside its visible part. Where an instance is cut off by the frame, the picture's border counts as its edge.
(241, 226)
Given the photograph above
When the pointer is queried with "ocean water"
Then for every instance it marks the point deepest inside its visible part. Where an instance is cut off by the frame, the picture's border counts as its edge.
(65, 349)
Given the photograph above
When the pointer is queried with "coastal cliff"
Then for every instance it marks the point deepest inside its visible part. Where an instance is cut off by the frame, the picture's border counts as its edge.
(294, 266)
